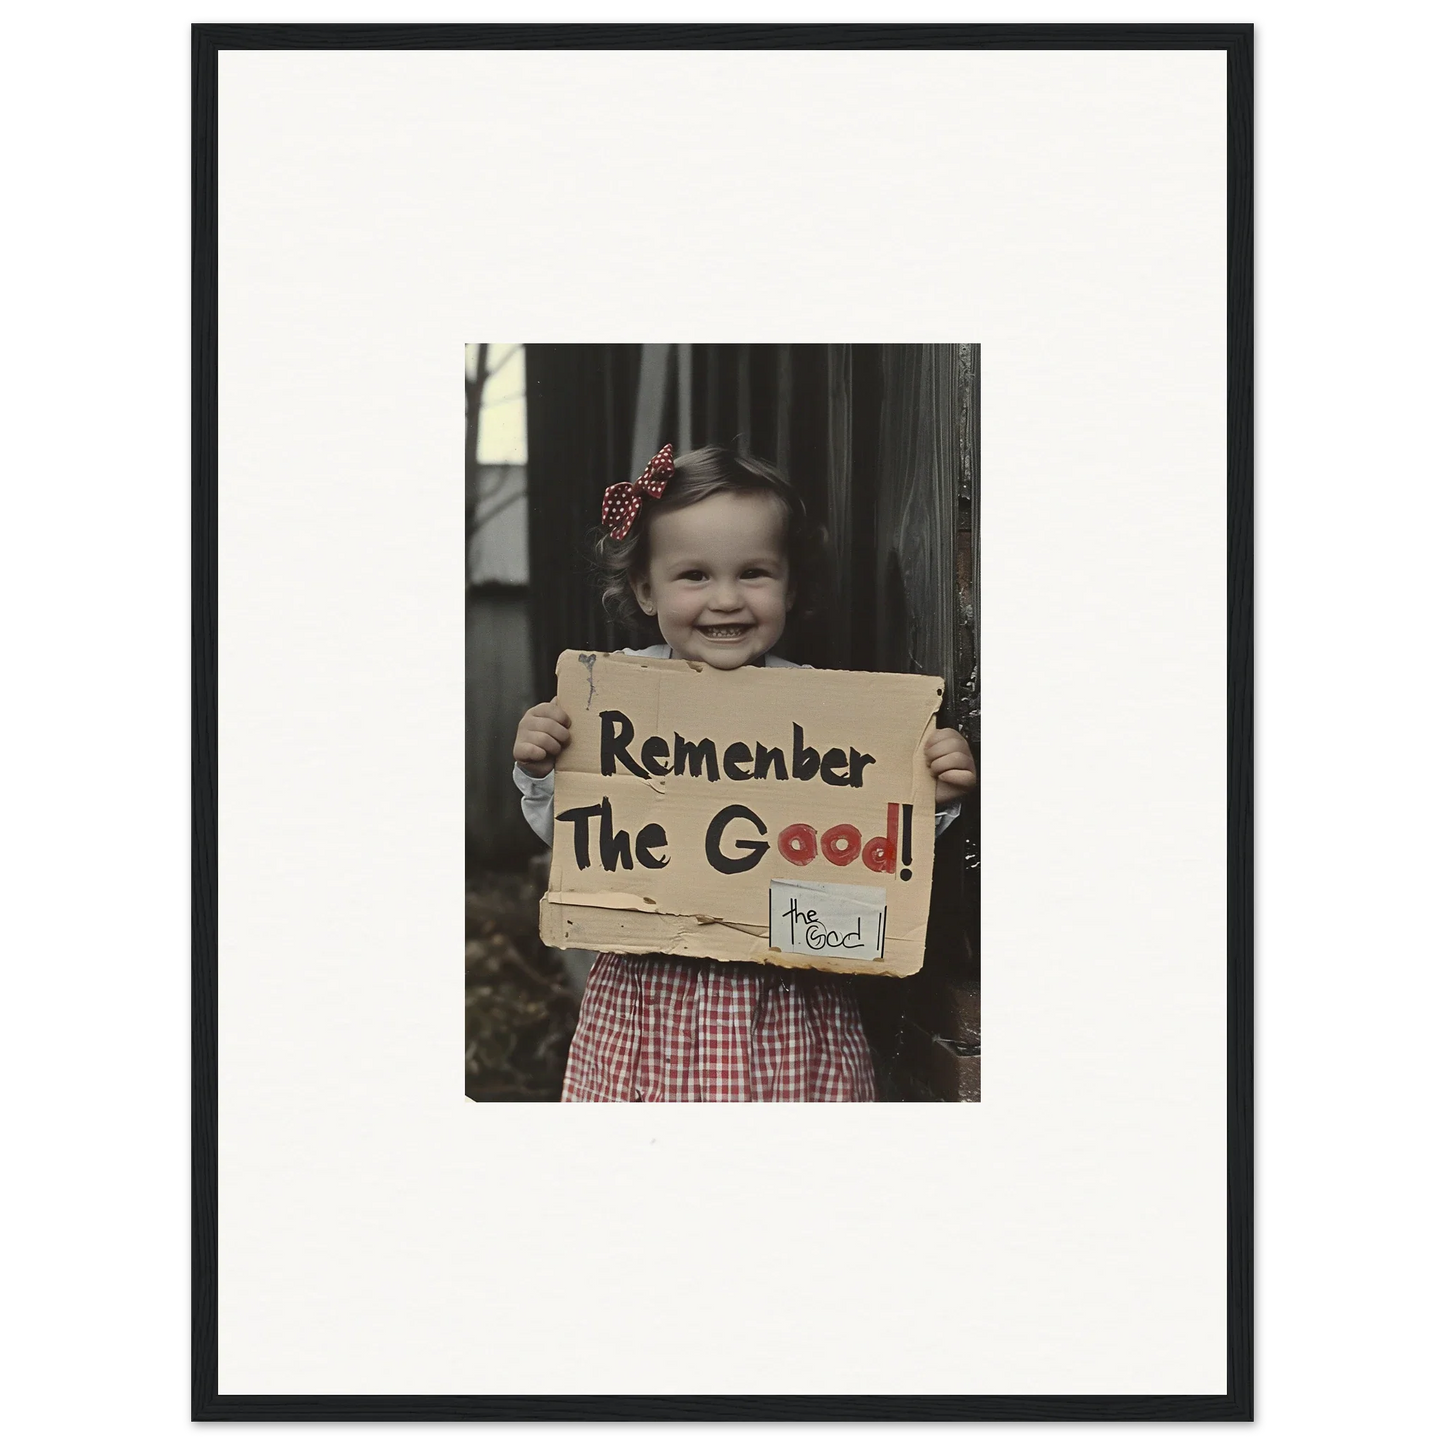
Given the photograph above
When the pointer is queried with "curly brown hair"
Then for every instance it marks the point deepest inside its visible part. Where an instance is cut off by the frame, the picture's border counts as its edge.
(698, 475)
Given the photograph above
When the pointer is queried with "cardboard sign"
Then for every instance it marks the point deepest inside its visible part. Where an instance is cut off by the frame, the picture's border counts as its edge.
(768, 814)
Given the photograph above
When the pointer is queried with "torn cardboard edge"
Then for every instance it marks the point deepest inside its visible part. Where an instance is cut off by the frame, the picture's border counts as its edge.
(634, 933)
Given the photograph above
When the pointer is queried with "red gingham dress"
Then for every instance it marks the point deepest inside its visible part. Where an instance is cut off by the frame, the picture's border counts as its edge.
(657, 1029)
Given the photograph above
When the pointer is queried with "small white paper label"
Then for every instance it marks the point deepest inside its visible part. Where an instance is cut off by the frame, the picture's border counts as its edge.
(830, 920)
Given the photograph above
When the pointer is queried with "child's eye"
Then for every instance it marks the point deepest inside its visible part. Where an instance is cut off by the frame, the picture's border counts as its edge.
(693, 574)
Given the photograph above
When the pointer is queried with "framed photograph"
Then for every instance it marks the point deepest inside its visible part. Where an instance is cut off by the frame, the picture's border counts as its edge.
(812, 665)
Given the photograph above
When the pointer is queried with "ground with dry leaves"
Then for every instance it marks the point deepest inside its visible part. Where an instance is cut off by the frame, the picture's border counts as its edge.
(521, 1007)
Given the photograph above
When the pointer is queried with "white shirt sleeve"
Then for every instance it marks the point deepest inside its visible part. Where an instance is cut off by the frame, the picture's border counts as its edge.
(943, 817)
(536, 801)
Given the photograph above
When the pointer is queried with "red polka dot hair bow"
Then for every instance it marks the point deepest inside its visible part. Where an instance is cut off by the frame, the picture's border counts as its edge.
(621, 500)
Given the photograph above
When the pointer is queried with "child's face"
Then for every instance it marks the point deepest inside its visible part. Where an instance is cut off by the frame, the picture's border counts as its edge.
(718, 579)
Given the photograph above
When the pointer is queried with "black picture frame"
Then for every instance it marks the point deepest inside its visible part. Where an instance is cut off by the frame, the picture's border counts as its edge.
(1236, 1403)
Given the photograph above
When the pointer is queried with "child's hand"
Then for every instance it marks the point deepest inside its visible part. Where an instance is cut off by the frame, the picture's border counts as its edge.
(951, 763)
(541, 735)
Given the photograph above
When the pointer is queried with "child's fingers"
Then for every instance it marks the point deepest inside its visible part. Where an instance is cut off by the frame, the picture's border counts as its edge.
(548, 727)
(525, 752)
(946, 740)
(550, 745)
(550, 710)
(956, 768)
(953, 758)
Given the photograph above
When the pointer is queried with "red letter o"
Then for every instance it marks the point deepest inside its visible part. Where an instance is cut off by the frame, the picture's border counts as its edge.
(842, 843)
(798, 843)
